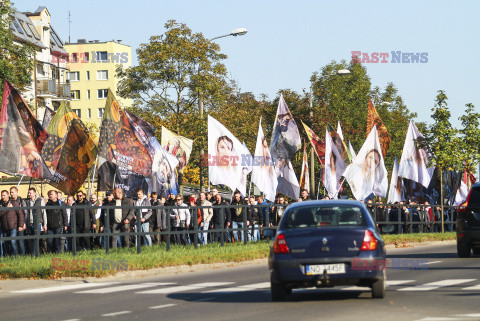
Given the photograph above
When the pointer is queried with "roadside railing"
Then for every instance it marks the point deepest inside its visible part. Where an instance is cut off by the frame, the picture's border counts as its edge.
(390, 219)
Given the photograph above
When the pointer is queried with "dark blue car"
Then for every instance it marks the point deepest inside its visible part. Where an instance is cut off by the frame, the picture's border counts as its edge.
(324, 244)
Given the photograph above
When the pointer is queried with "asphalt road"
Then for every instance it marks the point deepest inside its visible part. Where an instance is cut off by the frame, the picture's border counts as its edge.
(447, 288)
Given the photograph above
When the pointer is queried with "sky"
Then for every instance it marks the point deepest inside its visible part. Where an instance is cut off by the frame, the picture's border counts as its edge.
(289, 40)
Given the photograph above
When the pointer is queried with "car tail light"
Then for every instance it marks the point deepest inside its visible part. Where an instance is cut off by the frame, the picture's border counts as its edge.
(463, 208)
(280, 245)
(460, 235)
(369, 242)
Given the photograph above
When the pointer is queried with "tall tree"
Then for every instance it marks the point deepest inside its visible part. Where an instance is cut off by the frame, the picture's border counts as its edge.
(173, 70)
(16, 60)
(443, 142)
(470, 138)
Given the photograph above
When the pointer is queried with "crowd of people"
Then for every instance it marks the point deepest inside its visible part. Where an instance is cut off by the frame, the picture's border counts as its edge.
(206, 216)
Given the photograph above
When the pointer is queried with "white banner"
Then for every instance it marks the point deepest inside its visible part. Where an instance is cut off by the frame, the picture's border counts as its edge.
(367, 173)
(263, 172)
(413, 164)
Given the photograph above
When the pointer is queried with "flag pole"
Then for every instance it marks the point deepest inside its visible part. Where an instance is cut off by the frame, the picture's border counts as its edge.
(20, 181)
(93, 176)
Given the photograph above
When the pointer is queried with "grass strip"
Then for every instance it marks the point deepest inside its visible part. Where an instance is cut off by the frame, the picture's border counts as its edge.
(96, 263)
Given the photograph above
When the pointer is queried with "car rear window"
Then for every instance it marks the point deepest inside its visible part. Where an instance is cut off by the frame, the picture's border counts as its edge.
(474, 199)
(324, 216)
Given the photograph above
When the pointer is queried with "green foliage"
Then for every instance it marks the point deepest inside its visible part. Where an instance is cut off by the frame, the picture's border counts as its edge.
(16, 61)
(173, 70)
(470, 138)
(441, 138)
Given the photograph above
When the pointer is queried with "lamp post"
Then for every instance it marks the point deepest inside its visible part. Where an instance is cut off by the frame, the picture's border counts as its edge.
(235, 32)
(312, 157)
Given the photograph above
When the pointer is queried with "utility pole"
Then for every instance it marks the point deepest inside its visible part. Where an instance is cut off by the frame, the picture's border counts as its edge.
(200, 107)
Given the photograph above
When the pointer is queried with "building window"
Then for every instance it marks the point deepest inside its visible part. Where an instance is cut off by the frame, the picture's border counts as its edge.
(101, 111)
(74, 57)
(78, 112)
(86, 57)
(88, 93)
(74, 75)
(75, 94)
(102, 93)
(102, 75)
(88, 75)
(102, 56)
(89, 113)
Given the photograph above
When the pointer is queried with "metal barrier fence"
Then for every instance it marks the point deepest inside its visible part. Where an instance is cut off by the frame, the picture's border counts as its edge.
(390, 218)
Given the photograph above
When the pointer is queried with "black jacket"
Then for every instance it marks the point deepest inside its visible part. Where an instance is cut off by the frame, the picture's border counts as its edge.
(255, 215)
(84, 217)
(56, 217)
(159, 216)
(218, 212)
(238, 213)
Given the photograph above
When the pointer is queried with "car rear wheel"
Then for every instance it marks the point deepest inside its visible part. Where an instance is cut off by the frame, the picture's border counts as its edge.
(278, 291)
(378, 287)
(463, 250)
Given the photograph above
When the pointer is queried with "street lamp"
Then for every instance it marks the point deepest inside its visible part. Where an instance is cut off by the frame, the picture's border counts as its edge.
(235, 32)
(312, 156)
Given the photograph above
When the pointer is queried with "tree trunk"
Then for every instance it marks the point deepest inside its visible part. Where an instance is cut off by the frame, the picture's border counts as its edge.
(441, 197)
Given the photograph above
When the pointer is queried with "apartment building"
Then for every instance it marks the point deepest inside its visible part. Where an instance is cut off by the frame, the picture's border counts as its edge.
(49, 81)
(92, 66)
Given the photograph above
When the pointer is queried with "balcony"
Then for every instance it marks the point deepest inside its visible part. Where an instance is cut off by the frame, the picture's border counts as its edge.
(46, 88)
(63, 91)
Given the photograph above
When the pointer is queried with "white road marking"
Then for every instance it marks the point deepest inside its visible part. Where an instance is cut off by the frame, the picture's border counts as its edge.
(432, 262)
(442, 319)
(398, 282)
(163, 306)
(65, 287)
(469, 315)
(72, 320)
(182, 288)
(124, 288)
(113, 314)
(472, 288)
(436, 285)
(241, 288)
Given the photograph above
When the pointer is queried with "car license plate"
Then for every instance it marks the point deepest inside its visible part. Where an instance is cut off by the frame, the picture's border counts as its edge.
(330, 268)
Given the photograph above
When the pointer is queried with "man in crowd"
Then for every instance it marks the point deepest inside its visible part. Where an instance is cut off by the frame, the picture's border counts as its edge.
(304, 195)
(277, 211)
(122, 217)
(207, 214)
(143, 214)
(220, 215)
(97, 240)
(256, 219)
(158, 219)
(12, 221)
(107, 219)
(181, 220)
(16, 200)
(239, 216)
(35, 201)
(85, 220)
(67, 242)
(56, 221)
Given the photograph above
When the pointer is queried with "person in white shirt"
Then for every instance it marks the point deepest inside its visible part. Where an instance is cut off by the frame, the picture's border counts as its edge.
(181, 220)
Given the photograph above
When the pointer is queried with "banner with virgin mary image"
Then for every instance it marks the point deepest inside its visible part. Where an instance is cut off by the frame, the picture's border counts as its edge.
(285, 143)
(263, 172)
(224, 156)
(367, 173)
